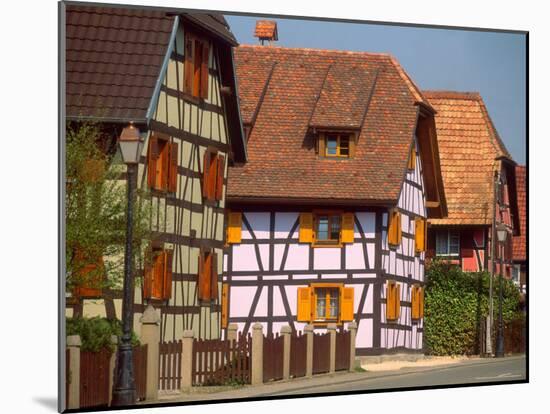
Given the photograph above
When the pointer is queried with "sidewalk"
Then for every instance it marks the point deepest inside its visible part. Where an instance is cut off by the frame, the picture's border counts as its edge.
(381, 370)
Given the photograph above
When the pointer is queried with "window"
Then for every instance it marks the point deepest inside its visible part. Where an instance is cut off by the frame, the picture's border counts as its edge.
(393, 300)
(516, 271)
(420, 234)
(208, 275)
(322, 303)
(336, 145)
(157, 278)
(162, 163)
(326, 228)
(197, 53)
(394, 228)
(417, 302)
(447, 243)
(213, 175)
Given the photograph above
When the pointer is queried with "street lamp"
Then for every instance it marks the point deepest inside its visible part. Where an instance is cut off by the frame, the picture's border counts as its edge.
(124, 389)
(502, 234)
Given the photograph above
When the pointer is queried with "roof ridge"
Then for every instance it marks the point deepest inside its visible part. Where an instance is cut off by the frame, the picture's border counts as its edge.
(309, 49)
(415, 90)
(446, 93)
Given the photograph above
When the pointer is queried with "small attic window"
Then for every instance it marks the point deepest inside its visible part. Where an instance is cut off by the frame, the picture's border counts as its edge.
(336, 145)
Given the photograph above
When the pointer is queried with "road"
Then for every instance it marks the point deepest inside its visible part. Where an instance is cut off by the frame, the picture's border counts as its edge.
(480, 371)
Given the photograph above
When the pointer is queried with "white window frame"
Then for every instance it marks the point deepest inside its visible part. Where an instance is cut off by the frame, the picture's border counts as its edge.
(448, 253)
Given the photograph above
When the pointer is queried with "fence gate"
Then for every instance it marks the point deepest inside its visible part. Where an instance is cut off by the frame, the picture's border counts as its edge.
(273, 357)
(94, 378)
(343, 340)
(298, 351)
(139, 355)
(321, 353)
(217, 361)
(170, 365)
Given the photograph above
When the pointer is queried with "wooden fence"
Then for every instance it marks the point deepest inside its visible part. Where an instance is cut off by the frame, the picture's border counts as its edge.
(170, 365)
(217, 361)
(343, 340)
(321, 353)
(140, 370)
(94, 378)
(298, 355)
(273, 349)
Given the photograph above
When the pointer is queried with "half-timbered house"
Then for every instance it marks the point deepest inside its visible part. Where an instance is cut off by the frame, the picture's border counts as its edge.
(170, 75)
(479, 178)
(327, 219)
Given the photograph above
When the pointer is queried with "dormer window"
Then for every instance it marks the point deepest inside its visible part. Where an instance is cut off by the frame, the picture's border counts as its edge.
(336, 145)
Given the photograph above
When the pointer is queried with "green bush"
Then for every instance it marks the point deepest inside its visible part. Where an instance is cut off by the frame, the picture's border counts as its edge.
(95, 333)
(456, 302)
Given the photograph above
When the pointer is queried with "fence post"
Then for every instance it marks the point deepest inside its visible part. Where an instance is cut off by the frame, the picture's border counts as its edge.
(352, 328)
(331, 328)
(187, 361)
(257, 376)
(112, 363)
(232, 331)
(308, 331)
(150, 335)
(285, 332)
(74, 343)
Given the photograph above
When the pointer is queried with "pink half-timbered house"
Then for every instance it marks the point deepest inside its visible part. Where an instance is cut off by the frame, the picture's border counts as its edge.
(472, 154)
(327, 219)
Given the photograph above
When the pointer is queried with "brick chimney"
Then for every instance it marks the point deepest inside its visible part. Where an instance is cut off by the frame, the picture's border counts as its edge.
(266, 30)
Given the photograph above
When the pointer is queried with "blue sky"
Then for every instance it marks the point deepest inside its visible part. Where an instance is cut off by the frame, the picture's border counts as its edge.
(490, 63)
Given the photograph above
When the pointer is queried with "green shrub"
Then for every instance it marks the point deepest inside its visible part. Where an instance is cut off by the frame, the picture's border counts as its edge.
(456, 302)
(95, 333)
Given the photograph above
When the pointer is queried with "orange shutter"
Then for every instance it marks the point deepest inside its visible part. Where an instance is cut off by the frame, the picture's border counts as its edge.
(389, 301)
(173, 169)
(205, 275)
(394, 228)
(234, 227)
(197, 63)
(225, 305)
(205, 173)
(414, 302)
(306, 227)
(412, 159)
(164, 165)
(220, 170)
(188, 71)
(348, 228)
(304, 304)
(204, 71)
(346, 311)
(420, 302)
(167, 279)
(152, 156)
(420, 234)
(147, 273)
(214, 277)
(397, 300)
(157, 285)
(90, 273)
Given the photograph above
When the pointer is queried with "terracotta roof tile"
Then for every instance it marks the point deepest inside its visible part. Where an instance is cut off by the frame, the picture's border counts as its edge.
(520, 242)
(266, 29)
(283, 90)
(468, 145)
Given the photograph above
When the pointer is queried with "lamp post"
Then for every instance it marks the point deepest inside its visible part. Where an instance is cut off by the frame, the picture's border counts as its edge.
(502, 234)
(124, 389)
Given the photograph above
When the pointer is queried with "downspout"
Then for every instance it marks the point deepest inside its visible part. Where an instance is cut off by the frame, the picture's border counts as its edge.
(156, 91)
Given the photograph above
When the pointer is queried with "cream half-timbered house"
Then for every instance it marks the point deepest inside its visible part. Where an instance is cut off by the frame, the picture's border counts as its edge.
(171, 75)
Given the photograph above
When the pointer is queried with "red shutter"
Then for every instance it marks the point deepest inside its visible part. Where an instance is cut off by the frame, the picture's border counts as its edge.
(467, 243)
(167, 290)
(188, 72)
(206, 173)
(200, 275)
(214, 277)
(147, 273)
(158, 276)
(220, 169)
(165, 165)
(205, 275)
(152, 156)
(204, 71)
(173, 168)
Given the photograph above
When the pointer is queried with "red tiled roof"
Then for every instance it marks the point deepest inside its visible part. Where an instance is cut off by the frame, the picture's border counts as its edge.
(520, 244)
(113, 58)
(468, 145)
(284, 91)
(266, 29)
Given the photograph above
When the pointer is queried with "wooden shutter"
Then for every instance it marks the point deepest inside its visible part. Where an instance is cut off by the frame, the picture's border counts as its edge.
(412, 159)
(392, 300)
(346, 310)
(214, 277)
(304, 304)
(152, 156)
(420, 302)
(397, 302)
(205, 275)
(321, 145)
(204, 71)
(147, 273)
(220, 170)
(167, 279)
(234, 227)
(157, 285)
(348, 228)
(173, 168)
(188, 70)
(415, 302)
(306, 228)
(164, 165)
(225, 305)
(206, 173)
(394, 228)
(467, 243)
(420, 234)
